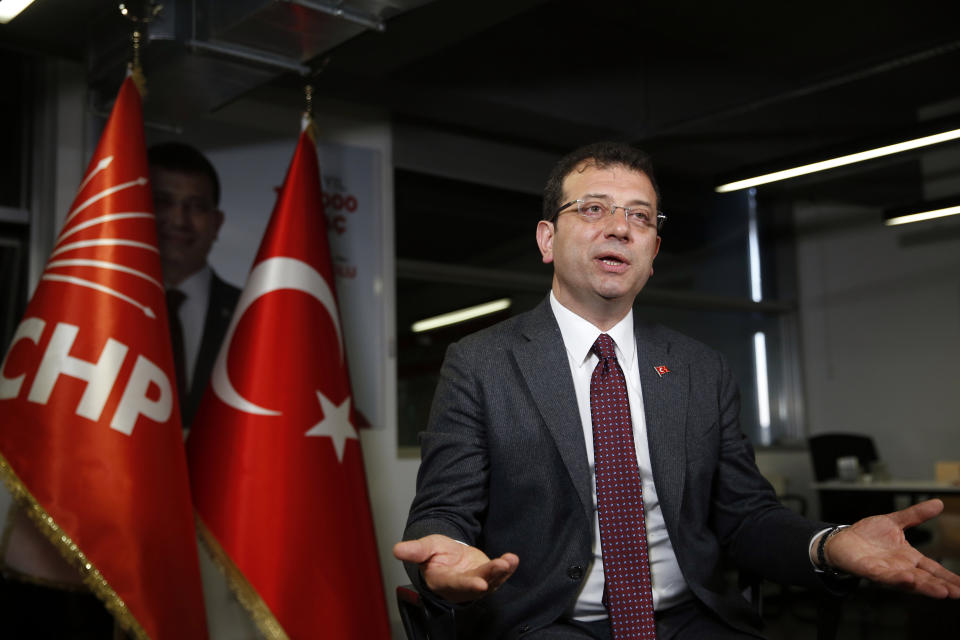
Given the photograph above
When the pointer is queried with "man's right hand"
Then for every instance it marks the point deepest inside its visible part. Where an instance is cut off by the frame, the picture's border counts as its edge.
(454, 571)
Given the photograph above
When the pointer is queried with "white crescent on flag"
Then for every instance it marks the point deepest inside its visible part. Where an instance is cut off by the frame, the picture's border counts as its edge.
(273, 274)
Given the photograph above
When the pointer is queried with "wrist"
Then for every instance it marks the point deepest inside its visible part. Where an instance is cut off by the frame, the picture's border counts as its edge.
(822, 561)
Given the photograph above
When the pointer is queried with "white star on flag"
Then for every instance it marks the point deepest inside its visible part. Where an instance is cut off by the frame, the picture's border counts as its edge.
(335, 424)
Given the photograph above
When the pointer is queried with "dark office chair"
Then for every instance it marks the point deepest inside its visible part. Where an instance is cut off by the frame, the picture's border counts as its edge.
(412, 614)
(841, 506)
(827, 447)
(421, 619)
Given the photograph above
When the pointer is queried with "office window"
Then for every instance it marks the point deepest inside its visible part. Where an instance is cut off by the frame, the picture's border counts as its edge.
(13, 126)
(14, 160)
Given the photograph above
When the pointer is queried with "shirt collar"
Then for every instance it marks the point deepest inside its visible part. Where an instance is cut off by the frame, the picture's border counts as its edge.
(579, 335)
(197, 284)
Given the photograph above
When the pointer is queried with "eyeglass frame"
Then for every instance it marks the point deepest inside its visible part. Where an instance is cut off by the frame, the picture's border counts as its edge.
(661, 217)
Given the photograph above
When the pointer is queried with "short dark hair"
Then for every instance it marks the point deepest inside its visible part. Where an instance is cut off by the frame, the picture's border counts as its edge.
(598, 154)
(177, 156)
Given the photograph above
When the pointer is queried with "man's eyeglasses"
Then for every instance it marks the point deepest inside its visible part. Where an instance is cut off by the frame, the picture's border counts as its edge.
(593, 210)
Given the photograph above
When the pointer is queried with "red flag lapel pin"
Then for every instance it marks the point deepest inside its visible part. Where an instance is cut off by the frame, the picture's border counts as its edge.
(661, 369)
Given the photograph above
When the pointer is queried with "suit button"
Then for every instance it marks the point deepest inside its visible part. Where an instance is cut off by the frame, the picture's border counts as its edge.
(575, 572)
(524, 628)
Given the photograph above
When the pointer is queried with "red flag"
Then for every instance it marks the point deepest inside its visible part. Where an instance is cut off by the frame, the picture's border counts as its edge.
(275, 463)
(90, 440)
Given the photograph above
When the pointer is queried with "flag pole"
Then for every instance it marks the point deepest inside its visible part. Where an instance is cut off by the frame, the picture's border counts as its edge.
(308, 125)
(134, 69)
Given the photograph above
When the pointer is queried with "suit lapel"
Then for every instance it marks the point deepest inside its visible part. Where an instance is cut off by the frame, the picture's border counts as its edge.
(664, 379)
(543, 363)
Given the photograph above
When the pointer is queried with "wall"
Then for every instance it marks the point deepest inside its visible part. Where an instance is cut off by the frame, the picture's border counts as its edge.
(788, 470)
(880, 332)
(60, 135)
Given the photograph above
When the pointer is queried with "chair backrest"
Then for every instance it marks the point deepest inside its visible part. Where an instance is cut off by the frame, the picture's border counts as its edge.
(825, 448)
(424, 619)
(412, 613)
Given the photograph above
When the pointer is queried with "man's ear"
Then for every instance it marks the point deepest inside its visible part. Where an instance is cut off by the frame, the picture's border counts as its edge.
(545, 233)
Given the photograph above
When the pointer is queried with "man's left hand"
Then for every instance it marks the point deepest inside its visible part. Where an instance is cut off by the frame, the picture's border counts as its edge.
(875, 548)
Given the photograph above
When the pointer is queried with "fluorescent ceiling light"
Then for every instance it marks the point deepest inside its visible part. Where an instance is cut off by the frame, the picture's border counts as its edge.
(841, 161)
(924, 215)
(461, 315)
(10, 9)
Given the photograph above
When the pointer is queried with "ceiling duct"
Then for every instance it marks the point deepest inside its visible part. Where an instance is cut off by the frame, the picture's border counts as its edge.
(199, 55)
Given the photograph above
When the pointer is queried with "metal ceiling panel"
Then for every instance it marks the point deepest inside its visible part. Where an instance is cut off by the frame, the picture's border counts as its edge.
(199, 55)
(283, 28)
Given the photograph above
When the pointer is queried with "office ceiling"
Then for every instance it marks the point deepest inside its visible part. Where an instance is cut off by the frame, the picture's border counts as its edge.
(712, 90)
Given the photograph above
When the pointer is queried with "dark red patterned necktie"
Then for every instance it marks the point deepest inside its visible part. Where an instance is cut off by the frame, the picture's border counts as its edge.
(175, 299)
(623, 535)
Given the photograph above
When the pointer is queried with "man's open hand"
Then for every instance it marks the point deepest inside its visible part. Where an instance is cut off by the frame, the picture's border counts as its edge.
(455, 571)
(875, 548)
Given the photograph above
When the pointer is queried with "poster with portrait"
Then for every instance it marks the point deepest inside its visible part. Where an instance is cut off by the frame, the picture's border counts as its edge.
(350, 178)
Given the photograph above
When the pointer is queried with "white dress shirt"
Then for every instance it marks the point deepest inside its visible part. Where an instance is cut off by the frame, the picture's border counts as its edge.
(669, 587)
(193, 315)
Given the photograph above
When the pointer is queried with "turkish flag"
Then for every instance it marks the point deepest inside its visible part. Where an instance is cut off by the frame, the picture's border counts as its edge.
(275, 463)
(90, 439)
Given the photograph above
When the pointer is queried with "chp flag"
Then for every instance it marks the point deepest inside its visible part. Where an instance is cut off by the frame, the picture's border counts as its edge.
(90, 441)
(275, 463)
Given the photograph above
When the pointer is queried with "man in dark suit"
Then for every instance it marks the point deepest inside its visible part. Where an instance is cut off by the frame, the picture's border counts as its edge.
(508, 466)
(186, 193)
(186, 197)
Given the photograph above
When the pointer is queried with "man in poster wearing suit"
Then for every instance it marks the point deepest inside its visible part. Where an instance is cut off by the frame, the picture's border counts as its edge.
(511, 524)
(186, 194)
(186, 198)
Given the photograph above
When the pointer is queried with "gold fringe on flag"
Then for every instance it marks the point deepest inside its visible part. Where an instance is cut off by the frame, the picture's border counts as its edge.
(259, 612)
(49, 529)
